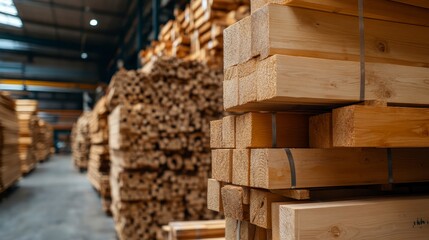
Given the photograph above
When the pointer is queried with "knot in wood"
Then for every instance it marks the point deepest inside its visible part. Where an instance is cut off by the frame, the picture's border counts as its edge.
(335, 231)
(382, 46)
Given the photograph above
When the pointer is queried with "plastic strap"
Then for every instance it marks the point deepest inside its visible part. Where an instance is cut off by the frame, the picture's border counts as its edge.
(238, 230)
(390, 164)
(291, 167)
(274, 130)
(362, 50)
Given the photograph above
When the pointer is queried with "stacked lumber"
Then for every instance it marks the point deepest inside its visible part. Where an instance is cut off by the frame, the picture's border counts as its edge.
(324, 111)
(159, 148)
(81, 141)
(99, 160)
(204, 230)
(27, 118)
(197, 32)
(10, 163)
(44, 138)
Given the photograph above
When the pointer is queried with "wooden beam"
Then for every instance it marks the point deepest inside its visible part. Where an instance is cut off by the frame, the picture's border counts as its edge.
(241, 167)
(372, 126)
(274, 31)
(285, 82)
(222, 165)
(216, 133)
(228, 131)
(320, 131)
(233, 198)
(214, 197)
(374, 9)
(270, 168)
(260, 207)
(377, 218)
(256, 130)
(417, 3)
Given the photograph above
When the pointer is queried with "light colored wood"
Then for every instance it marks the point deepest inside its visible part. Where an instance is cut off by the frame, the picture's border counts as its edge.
(256, 130)
(214, 198)
(222, 165)
(230, 93)
(285, 80)
(379, 218)
(231, 42)
(418, 3)
(298, 194)
(247, 82)
(269, 168)
(372, 126)
(260, 207)
(374, 9)
(320, 131)
(241, 167)
(274, 31)
(245, 42)
(183, 230)
(246, 230)
(216, 134)
(233, 203)
(228, 131)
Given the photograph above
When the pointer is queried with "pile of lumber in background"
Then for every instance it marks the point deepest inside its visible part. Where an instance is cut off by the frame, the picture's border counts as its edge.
(99, 159)
(208, 229)
(44, 140)
(159, 148)
(10, 163)
(197, 32)
(308, 130)
(81, 141)
(28, 121)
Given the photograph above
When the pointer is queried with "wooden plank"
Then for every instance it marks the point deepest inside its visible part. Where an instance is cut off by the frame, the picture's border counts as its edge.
(233, 198)
(216, 134)
(374, 9)
(270, 168)
(286, 80)
(228, 131)
(256, 130)
(214, 198)
(239, 230)
(241, 167)
(274, 31)
(222, 165)
(260, 207)
(230, 93)
(320, 131)
(380, 218)
(231, 45)
(372, 126)
(417, 3)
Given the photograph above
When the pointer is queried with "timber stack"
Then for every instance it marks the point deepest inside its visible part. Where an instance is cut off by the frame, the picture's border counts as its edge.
(44, 138)
(329, 101)
(27, 119)
(99, 159)
(202, 230)
(81, 142)
(10, 163)
(197, 32)
(159, 148)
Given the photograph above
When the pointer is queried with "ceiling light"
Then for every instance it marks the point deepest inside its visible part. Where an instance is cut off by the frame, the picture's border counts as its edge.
(84, 55)
(93, 22)
(9, 14)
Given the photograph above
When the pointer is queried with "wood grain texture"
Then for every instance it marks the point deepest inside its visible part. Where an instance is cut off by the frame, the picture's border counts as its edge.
(214, 197)
(243, 229)
(241, 167)
(320, 131)
(275, 31)
(222, 165)
(233, 202)
(260, 207)
(216, 134)
(374, 9)
(256, 130)
(379, 218)
(417, 3)
(228, 131)
(371, 126)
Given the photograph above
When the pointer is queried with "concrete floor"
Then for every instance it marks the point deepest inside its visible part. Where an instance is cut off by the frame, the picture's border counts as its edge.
(54, 202)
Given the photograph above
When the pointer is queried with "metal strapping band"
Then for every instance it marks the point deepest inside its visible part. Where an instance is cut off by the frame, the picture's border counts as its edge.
(238, 229)
(362, 50)
(274, 130)
(292, 167)
(390, 164)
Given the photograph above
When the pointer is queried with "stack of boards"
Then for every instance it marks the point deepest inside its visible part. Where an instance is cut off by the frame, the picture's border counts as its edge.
(28, 121)
(197, 32)
(99, 160)
(81, 141)
(44, 140)
(159, 145)
(10, 164)
(190, 230)
(313, 124)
